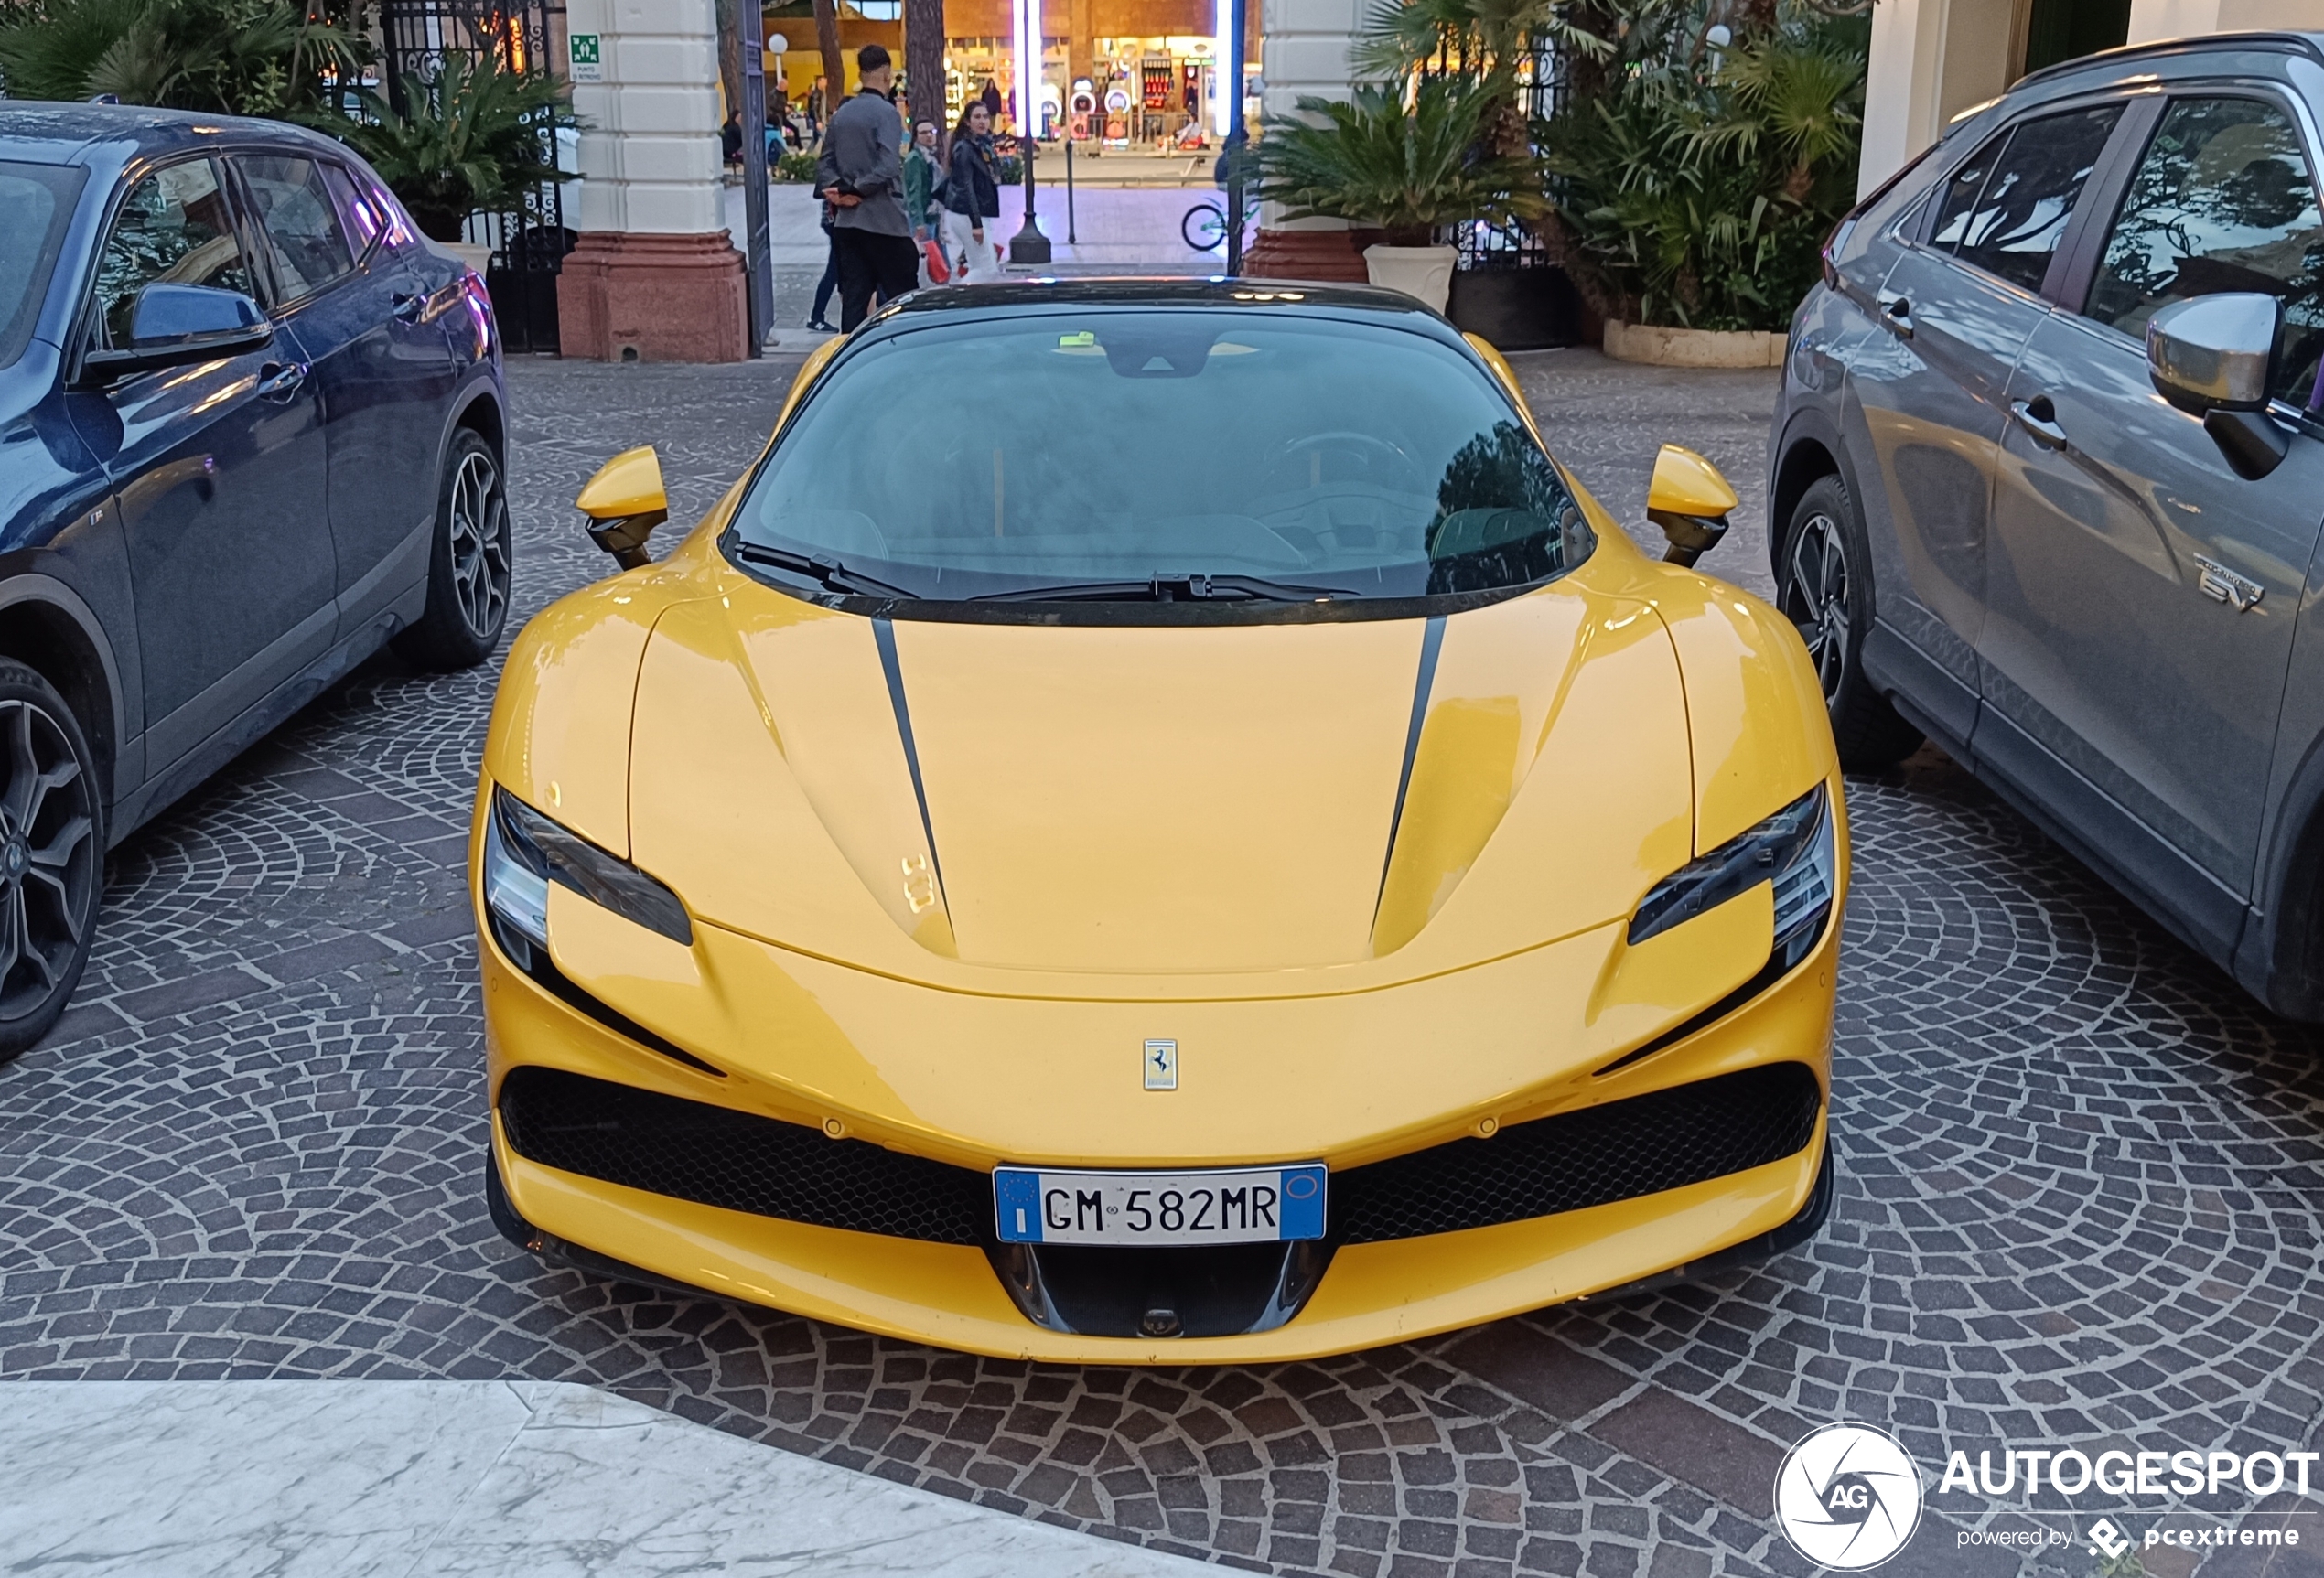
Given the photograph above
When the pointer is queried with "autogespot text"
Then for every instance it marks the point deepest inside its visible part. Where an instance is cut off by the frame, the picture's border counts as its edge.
(2164, 1475)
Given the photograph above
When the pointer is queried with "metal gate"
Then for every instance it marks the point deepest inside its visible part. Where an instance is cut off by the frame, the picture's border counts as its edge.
(1505, 286)
(530, 238)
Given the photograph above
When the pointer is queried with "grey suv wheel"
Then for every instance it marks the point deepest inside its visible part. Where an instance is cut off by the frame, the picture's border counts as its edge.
(1823, 585)
(52, 857)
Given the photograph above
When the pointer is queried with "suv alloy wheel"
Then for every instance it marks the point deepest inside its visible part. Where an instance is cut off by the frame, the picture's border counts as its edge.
(1823, 586)
(52, 857)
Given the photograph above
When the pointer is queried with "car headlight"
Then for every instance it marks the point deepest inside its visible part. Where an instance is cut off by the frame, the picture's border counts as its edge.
(524, 852)
(1796, 849)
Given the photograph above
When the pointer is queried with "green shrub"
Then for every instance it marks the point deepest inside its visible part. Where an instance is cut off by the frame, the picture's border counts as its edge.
(227, 57)
(1699, 198)
(795, 166)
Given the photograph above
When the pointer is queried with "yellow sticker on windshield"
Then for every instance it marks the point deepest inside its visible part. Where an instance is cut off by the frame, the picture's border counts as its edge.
(1084, 338)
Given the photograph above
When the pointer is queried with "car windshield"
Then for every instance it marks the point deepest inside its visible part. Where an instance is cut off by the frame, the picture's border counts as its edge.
(1160, 455)
(35, 202)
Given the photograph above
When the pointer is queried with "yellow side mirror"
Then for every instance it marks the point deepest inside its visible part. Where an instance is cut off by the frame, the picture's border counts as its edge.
(625, 501)
(1689, 500)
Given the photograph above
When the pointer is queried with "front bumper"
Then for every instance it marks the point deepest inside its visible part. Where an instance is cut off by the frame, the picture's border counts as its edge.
(952, 1294)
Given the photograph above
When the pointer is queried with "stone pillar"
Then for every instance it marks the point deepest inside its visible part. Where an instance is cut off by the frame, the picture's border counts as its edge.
(2152, 19)
(1932, 60)
(1304, 54)
(655, 276)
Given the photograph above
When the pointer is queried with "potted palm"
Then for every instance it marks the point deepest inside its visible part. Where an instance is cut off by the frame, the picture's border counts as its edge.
(1410, 166)
(470, 140)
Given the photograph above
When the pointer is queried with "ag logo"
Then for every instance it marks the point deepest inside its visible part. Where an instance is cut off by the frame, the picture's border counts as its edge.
(1848, 1497)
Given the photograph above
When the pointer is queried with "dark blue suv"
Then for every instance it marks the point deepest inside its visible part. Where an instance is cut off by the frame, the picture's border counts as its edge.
(251, 430)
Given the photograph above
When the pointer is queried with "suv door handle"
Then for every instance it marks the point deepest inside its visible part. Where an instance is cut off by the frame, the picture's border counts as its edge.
(2040, 419)
(409, 305)
(278, 382)
(1896, 315)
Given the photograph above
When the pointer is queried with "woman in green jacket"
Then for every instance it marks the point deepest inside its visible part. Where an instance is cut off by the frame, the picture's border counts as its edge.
(923, 179)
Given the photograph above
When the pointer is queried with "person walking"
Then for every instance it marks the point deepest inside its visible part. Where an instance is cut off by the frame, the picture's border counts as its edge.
(829, 283)
(861, 174)
(923, 181)
(972, 196)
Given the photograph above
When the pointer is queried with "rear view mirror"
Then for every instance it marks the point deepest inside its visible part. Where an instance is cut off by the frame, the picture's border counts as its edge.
(173, 325)
(1689, 500)
(2214, 357)
(625, 501)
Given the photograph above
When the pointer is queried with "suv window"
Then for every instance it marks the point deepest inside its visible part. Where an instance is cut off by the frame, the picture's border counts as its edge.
(175, 228)
(35, 203)
(2006, 210)
(305, 240)
(2223, 201)
(366, 215)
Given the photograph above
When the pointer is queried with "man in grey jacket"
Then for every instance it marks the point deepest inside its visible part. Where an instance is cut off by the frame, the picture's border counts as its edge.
(862, 172)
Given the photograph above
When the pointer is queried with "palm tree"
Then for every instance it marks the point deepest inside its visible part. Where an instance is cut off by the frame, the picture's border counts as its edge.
(227, 56)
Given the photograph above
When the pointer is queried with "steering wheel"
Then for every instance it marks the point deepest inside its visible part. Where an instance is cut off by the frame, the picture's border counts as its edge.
(1398, 464)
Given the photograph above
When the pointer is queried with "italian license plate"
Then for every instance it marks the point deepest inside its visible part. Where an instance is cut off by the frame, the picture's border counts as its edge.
(1228, 1206)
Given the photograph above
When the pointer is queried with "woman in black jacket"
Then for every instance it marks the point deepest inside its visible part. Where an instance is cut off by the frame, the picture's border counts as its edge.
(972, 196)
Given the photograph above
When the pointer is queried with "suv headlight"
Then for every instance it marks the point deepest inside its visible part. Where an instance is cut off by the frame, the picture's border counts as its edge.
(524, 852)
(1796, 849)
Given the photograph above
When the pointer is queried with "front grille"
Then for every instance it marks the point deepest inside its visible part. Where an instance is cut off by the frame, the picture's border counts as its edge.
(715, 1156)
(1664, 1140)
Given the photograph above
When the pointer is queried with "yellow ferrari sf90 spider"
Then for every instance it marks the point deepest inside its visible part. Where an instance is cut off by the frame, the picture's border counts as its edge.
(1156, 823)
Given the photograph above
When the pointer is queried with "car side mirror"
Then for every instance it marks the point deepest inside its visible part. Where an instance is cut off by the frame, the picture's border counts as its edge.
(625, 501)
(175, 325)
(2214, 357)
(1689, 500)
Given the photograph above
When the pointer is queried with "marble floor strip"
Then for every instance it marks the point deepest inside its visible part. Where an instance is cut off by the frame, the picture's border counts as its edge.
(478, 1479)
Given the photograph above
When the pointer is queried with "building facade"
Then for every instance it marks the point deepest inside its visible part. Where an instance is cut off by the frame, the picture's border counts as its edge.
(654, 276)
(1934, 59)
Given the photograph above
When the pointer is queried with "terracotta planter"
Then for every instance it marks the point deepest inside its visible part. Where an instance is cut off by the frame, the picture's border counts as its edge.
(1659, 347)
(1423, 271)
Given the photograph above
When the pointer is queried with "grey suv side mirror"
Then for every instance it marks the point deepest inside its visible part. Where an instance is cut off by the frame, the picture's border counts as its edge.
(2212, 357)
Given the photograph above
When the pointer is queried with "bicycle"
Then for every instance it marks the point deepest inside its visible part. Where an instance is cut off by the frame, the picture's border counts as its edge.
(1204, 228)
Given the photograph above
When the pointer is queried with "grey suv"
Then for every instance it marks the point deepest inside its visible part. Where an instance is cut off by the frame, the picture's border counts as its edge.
(2047, 479)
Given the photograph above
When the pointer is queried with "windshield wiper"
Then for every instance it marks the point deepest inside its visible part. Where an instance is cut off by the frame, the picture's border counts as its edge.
(1170, 589)
(829, 573)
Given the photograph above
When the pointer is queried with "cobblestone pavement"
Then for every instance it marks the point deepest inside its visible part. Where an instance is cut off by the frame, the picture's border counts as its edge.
(2079, 1171)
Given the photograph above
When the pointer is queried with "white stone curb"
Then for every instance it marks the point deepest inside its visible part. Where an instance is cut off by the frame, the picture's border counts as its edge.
(515, 1479)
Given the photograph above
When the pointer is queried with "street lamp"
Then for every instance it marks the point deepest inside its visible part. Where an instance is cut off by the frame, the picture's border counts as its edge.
(1238, 137)
(1028, 245)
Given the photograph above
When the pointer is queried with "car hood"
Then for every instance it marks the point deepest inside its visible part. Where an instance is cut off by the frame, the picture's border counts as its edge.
(1270, 807)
